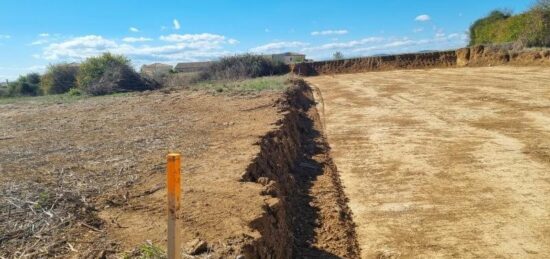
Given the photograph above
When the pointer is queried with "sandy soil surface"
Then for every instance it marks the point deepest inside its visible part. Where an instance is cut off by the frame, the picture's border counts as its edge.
(87, 177)
(444, 162)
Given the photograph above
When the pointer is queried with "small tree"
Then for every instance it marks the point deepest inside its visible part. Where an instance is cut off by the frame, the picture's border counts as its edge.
(27, 85)
(59, 78)
(108, 74)
(338, 55)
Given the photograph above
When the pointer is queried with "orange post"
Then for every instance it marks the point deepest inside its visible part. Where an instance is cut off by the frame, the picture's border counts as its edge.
(174, 198)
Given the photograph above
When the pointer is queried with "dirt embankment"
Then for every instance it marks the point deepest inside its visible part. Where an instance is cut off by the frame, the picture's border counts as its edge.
(474, 56)
(500, 55)
(382, 63)
(306, 212)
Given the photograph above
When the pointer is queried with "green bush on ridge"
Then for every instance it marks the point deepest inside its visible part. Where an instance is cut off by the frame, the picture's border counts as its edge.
(108, 74)
(59, 78)
(242, 67)
(27, 85)
(531, 29)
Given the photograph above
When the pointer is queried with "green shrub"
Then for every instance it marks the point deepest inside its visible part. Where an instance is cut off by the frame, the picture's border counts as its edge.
(531, 28)
(27, 85)
(241, 67)
(108, 74)
(59, 78)
(74, 92)
(4, 91)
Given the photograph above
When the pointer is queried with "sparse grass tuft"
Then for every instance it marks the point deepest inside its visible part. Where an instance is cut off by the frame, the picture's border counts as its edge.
(273, 83)
(147, 251)
(55, 98)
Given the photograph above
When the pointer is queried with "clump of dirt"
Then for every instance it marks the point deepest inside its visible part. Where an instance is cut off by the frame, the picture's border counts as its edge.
(305, 212)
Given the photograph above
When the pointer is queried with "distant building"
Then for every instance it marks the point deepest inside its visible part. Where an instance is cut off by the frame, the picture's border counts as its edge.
(288, 57)
(191, 67)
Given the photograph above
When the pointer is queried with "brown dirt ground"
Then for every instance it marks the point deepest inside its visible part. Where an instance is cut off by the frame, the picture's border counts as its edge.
(108, 153)
(443, 162)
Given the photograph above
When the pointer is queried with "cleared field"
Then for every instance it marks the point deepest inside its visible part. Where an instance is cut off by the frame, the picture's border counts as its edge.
(86, 177)
(443, 162)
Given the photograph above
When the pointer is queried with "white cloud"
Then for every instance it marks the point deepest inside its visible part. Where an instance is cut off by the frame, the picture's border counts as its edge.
(188, 48)
(417, 30)
(422, 18)
(439, 42)
(279, 46)
(233, 41)
(39, 42)
(192, 37)
(134, 29)
(136, 39)
(44, 35)
(79, 47)
(329, 32)
(345, 45)
(176, 24)
(5, 37)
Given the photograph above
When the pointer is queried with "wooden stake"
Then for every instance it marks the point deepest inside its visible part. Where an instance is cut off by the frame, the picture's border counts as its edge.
(174, 196)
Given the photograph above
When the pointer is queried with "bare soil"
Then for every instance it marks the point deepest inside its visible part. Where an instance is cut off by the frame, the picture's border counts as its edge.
(443, 162)
(87, 178)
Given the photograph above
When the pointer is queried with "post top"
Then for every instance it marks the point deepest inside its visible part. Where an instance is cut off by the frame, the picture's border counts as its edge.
(173, 155)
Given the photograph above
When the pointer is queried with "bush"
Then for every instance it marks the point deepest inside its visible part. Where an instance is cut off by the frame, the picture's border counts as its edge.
(4, 91)
(108, 74)
(74, 92)
(531, 29)
(241, 67)
(59, 78)
(28, 85)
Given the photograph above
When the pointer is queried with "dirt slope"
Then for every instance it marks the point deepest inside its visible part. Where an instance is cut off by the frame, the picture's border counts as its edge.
(444, 162)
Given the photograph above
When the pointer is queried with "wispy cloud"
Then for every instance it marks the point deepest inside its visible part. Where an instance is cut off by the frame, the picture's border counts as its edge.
(176, 24)
(45, 34)
(438, 42)
(279, 46)
(133, 29)
(345, 45)
(417, 30)
(422, 18)
(136, 39)
(329, 32)
(39, 42)
(192, 37)
(5, 37)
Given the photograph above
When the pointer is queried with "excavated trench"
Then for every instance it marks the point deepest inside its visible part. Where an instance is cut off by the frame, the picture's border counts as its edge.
(305, 212)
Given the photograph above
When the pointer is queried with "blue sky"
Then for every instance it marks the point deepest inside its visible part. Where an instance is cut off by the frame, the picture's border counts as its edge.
(35, 33)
